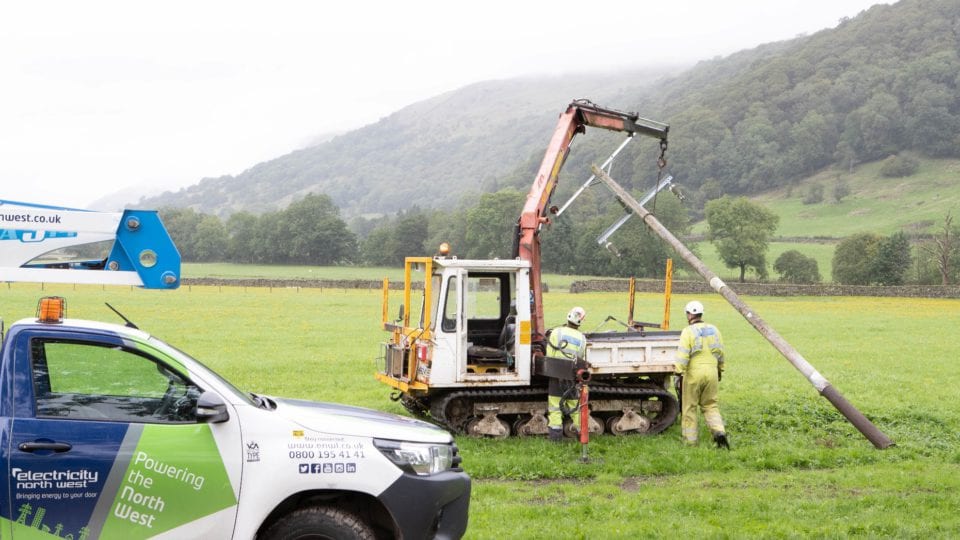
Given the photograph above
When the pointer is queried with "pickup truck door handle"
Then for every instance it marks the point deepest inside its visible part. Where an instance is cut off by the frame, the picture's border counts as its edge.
(37, 446)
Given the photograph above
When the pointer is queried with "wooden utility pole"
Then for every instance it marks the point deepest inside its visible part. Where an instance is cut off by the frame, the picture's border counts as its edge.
(874, 435)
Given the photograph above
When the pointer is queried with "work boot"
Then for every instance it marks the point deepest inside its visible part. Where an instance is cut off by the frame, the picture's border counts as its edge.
(721, 440)
(555, 434)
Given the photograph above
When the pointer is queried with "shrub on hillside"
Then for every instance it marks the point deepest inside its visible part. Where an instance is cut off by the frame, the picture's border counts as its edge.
(814, 194)
(899, 166)
(840, 190)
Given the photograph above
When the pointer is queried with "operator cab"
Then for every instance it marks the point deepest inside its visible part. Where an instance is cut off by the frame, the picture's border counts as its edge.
(479, 316)
(468, 324)
(491, 317)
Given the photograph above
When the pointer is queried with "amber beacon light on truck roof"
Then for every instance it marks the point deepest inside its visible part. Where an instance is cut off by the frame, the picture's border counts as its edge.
(51, 309)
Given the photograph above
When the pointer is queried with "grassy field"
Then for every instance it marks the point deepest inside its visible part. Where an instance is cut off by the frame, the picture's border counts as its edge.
(797, 468)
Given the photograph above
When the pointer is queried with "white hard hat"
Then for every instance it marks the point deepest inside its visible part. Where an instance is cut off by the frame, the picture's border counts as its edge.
(694, 308)
(576, 315)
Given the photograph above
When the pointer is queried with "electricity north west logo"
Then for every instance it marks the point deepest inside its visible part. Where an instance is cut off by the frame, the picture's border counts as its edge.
(68, 479)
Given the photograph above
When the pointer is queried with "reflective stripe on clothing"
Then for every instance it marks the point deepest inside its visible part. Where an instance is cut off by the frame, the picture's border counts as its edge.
(566, 342)
(555, 411)
(699, 342)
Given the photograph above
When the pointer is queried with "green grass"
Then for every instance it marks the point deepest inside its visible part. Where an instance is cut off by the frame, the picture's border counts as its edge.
(876, 204)
(797, 469)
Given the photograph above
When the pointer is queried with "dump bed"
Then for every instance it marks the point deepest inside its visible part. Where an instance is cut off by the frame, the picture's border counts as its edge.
(633, 353)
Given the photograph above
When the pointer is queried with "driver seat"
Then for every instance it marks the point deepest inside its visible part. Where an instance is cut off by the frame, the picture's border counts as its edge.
(503, 352)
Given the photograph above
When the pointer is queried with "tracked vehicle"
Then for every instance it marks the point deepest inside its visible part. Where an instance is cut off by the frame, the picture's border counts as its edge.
(467, 348)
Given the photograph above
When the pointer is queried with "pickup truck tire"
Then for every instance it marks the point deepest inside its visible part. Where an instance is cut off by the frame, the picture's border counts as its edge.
(318, 523)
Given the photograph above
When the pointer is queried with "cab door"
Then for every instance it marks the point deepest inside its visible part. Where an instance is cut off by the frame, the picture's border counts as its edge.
(108, 444)
(450, 334)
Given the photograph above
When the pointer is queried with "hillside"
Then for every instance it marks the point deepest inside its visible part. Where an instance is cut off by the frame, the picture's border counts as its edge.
(877, 204)
(882, 205)
(764, 123)
(878, 84)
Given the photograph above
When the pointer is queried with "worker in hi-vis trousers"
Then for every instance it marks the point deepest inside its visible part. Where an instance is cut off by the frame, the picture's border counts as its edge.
(699, 368)
(568, 342)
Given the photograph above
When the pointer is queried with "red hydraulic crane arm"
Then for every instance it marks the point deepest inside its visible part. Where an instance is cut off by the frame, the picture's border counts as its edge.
(579, 115)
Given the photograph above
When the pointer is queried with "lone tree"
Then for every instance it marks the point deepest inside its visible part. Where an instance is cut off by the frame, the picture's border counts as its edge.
(741, 231)
(942, 248)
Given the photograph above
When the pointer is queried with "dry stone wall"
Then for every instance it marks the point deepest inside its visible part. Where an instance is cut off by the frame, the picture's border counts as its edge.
(768, 289)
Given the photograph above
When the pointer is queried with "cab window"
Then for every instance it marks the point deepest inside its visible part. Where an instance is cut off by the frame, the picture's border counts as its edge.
(450, 306)
(483, 297)
(86, 381)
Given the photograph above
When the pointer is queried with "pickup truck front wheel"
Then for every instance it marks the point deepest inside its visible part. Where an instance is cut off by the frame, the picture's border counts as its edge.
(320, 523)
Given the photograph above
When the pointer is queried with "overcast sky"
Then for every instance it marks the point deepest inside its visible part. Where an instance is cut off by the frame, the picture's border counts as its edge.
(99, 96)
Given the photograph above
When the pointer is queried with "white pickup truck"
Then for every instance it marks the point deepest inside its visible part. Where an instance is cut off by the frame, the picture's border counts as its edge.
(108, 432)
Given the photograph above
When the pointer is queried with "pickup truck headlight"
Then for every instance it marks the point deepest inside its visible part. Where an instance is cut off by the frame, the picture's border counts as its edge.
(422, 459)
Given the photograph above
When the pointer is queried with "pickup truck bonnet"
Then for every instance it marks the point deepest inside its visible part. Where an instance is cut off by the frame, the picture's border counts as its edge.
(357, 421)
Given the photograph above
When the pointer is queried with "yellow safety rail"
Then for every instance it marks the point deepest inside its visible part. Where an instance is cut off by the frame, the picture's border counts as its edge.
(667, 290)
(404, 336)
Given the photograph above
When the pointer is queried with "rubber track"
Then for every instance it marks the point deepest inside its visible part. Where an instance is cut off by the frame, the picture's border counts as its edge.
(438, 407)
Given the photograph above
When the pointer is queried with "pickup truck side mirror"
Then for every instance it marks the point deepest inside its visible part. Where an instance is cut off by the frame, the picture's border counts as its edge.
(211, 409)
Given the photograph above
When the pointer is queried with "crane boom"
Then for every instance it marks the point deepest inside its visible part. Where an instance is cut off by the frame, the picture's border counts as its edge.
(142, 254)
(579, 115)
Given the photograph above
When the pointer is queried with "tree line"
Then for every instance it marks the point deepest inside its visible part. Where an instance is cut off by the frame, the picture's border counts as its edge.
(311, 232)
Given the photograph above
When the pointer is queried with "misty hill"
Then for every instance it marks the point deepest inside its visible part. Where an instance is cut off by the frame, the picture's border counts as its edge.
(431, 153)
(882, 83)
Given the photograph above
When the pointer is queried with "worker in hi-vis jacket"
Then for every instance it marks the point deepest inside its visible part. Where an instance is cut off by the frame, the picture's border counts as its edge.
(699, 368)
(568, 342)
